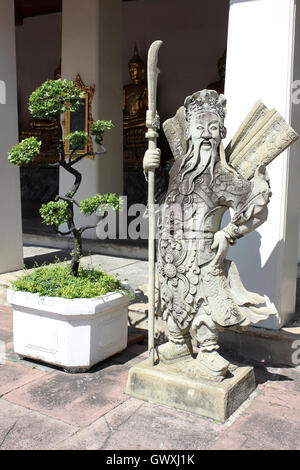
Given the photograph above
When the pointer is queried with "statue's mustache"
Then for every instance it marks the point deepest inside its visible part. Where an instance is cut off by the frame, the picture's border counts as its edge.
(205, 141)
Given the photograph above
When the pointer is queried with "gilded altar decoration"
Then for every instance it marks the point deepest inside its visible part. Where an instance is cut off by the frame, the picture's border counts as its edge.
(135, 103)
(80, 120)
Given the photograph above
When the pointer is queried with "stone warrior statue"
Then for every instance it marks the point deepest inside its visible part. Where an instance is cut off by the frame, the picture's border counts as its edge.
(200, 291)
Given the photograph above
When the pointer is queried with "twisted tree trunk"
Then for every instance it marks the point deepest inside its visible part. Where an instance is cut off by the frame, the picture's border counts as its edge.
(69, 198)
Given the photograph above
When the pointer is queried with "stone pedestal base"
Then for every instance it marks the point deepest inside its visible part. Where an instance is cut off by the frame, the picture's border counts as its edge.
(164, 385)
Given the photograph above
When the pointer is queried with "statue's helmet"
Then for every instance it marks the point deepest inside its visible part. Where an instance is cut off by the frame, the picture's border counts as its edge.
(206, 101)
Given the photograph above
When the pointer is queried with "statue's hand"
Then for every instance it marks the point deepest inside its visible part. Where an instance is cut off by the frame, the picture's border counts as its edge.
(261, 181)
(220, 245)
(151, 160)
(261, 172)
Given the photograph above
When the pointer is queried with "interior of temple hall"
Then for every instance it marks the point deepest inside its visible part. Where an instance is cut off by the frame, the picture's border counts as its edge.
(193, 57)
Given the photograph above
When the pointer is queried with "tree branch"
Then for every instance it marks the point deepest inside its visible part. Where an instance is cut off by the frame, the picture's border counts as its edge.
(78, 178)
(68, 199)
(72, 153)
(88, 154)
(83, 229)
(60, 139)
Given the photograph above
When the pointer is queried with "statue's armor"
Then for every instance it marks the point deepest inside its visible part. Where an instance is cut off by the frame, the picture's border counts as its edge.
(190, 287)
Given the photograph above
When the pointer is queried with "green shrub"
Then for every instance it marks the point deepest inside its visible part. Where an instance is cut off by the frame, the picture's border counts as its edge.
(98, 128)
(55, 213)
(54, 280)
(25, 152)
(90, 205)
(55, 97)
(77, 139)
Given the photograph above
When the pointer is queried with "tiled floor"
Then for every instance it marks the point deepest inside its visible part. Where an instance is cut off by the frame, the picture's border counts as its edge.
(45, 408)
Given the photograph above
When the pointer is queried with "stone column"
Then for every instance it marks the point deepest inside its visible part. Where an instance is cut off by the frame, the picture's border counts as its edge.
(262, 62)
(11, 253)
(92, 47)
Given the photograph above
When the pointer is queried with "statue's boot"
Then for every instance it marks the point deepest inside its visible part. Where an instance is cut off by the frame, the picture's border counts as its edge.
(179, 347)
(170, 352)
(209, 362)
(212, 364)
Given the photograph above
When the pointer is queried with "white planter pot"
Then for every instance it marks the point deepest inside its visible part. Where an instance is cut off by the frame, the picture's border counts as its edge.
(71, 333)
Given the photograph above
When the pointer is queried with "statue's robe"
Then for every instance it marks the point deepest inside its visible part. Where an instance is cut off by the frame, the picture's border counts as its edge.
(190, 285)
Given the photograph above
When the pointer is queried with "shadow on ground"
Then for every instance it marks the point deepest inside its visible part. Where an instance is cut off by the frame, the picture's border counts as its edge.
(47, 258)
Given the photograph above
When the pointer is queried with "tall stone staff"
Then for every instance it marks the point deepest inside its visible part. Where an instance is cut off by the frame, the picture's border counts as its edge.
(153, 124)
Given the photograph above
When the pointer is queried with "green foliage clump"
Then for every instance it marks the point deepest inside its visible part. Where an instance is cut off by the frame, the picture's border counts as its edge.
(55, 281)
(55, 97)
(78, 139)
(55, 213)
(25, 152)
(98, 128)
(90, 205)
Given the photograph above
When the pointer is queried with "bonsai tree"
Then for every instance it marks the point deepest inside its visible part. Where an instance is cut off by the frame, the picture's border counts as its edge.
(49, 101)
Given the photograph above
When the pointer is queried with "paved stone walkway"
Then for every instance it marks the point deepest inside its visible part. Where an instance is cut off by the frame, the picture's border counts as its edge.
(45, 408)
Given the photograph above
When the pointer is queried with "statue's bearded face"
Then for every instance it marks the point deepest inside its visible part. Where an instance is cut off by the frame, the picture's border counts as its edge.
(205, 135)
(205, 130)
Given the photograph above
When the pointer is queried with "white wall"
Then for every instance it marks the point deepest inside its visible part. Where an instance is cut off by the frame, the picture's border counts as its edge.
(11, 255)
(262, 61)
(295, 151)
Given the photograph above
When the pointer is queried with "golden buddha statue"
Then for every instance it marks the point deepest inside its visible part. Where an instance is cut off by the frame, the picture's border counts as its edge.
(135, 95)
